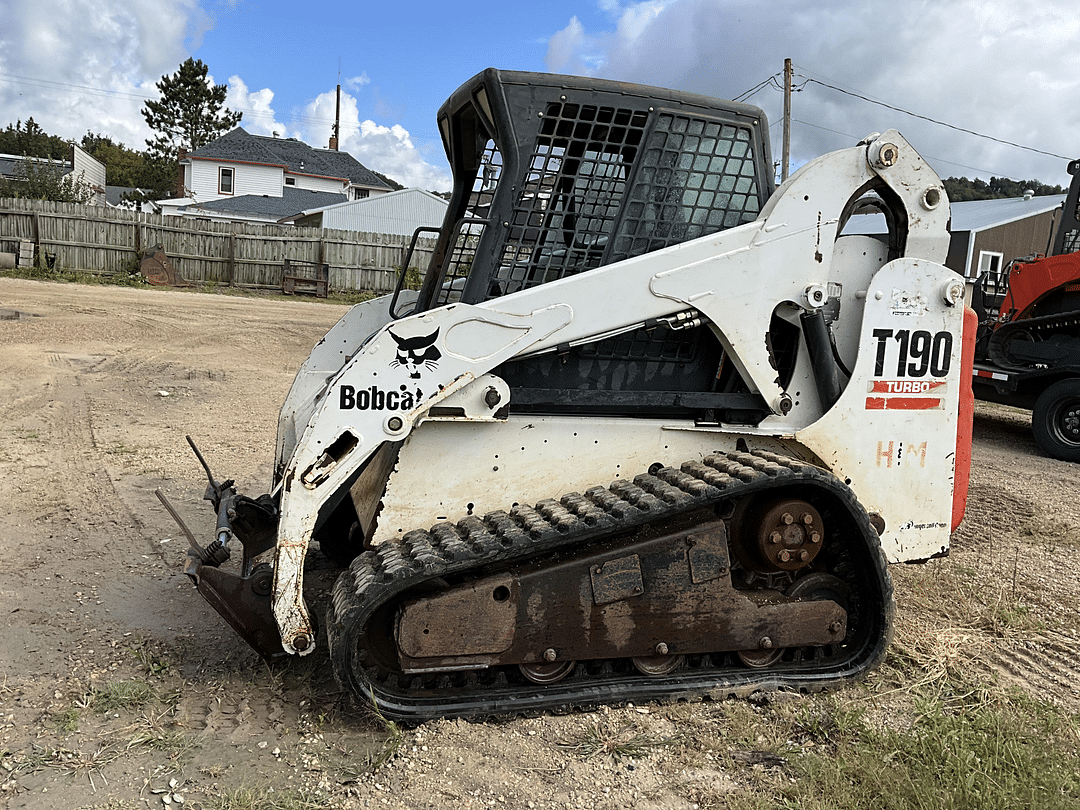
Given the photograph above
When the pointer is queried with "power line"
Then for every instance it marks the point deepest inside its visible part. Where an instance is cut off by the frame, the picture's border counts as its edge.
(753, 90)
(930, 158)
(934, 120)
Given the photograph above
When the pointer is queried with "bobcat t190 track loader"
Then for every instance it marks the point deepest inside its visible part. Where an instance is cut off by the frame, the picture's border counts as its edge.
(650, 427)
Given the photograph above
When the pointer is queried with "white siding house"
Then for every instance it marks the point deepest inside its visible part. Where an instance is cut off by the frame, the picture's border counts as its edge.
(241, 176)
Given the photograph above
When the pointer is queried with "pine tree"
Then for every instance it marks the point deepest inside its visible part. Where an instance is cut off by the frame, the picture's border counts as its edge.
(190, 114)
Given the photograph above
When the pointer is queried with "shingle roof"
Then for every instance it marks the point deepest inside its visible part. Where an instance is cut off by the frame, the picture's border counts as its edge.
(291, 201)
(296, 156)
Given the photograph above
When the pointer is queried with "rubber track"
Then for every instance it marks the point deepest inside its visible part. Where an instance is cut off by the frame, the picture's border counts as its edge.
(360, 614)
(995, 349)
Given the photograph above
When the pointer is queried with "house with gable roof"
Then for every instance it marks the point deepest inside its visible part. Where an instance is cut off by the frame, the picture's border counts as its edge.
(247, 177)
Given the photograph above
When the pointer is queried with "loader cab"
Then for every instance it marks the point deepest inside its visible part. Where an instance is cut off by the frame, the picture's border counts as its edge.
(557, 175)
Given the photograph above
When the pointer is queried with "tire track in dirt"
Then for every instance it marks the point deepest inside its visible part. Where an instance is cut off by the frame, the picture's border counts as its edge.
(1046, 669)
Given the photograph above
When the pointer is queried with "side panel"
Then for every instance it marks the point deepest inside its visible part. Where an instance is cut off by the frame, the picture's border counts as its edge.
(327, 358)
(893, 432)
(523, 460)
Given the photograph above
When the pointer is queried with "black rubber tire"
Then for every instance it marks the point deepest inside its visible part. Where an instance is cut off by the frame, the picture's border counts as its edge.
(1055, 420)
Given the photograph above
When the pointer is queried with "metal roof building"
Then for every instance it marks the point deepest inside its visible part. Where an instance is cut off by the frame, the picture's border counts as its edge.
(399, 213)
(988, 234)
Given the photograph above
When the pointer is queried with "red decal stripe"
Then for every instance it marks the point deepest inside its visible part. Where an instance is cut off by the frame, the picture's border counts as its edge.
(902, 403)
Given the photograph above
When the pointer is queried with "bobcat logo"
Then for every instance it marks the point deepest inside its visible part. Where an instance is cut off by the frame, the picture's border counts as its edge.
(415, 353)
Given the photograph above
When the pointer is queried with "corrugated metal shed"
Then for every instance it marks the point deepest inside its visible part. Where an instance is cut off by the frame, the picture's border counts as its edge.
(399, 212)
(1006, 228)
(972, 215)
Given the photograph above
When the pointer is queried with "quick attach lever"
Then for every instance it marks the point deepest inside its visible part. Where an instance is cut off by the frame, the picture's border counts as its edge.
(221, 495)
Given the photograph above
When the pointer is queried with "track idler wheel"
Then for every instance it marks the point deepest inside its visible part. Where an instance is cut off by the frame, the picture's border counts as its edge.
(547, 673)
(659, 664)
(771, 535)
(759, 659)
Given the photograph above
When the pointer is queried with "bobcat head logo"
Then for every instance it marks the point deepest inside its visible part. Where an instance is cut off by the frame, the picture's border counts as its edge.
(415, 353)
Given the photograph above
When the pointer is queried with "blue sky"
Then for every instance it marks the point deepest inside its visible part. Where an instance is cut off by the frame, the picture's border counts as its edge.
(1008, 69)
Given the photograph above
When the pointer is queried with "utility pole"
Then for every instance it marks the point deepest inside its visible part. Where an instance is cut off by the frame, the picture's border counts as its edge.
(787, 121)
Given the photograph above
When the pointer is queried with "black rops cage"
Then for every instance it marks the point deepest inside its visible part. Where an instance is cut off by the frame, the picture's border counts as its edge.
(557, 175)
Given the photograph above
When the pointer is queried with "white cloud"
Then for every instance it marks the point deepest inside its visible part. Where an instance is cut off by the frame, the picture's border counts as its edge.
(259, 117)
(88, 64)
(1006, 69)
(387, 150)
(79, 65)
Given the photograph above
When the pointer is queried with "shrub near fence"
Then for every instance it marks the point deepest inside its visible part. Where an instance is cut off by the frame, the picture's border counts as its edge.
(110, 241)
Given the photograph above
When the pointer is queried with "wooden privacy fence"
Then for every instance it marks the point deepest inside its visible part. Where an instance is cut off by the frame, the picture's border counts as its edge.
(110, 241)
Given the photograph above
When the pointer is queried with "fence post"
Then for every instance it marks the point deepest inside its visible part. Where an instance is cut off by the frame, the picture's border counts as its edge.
(231, 266)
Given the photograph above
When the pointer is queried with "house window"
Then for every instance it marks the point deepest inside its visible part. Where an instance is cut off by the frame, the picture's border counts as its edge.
(225, 181)
(990, 270)
(290, 181)
(361, 193)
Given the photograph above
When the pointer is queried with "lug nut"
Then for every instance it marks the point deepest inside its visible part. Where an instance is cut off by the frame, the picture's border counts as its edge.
(765, 643)
(300, 642)
(661, 648)
(550, 655)
(787, 518)
(807, 518)
(815, 537)
(784, 555)
(804, 555)
(834, 627)
(774, 537)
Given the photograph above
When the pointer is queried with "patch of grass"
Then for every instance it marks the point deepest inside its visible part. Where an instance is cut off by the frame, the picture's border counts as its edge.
(615, 739)
(395, 738)
(172, 742)
(77, 276)
(1044, 530)
(151, 732)
(120, 449)
(71, 762)
(832, 721)
(153, 661)
(966, 749)
(262, 799)
(67, 722)
(349, 297)
(1009, 617)
(121, 695)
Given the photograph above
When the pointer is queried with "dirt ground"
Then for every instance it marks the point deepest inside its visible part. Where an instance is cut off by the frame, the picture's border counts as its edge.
(120, 687)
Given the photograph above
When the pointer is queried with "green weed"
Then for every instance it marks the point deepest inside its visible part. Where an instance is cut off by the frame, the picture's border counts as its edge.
(262, 799)
(67, 722)
(121, 695)
(615, 739)
(966, 750)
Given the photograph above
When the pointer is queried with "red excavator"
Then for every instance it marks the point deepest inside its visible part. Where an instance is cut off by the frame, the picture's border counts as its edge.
(1028, 350)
